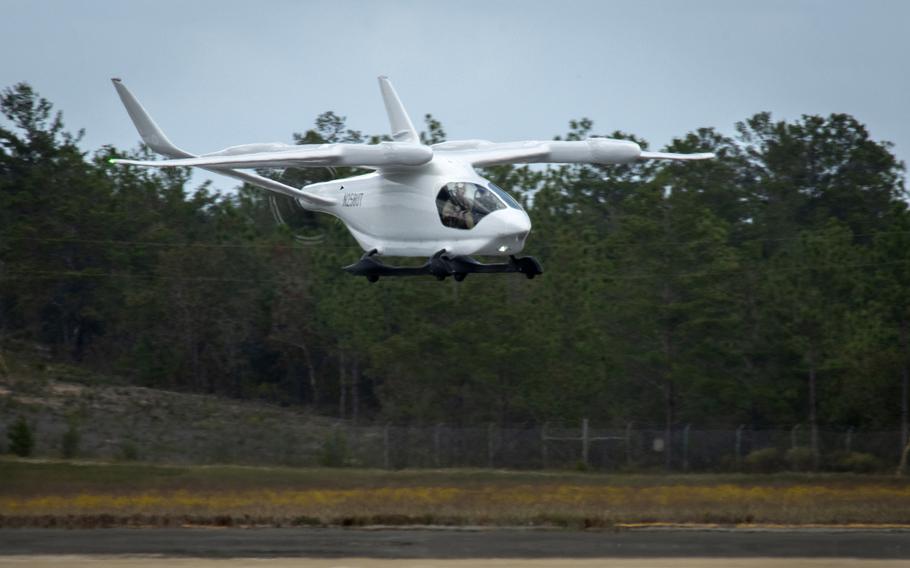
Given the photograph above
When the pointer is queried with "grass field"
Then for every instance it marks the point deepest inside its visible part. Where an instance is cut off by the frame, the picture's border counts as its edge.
(44, 493)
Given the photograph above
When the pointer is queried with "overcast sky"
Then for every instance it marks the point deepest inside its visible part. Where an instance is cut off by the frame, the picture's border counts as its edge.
(225, 72)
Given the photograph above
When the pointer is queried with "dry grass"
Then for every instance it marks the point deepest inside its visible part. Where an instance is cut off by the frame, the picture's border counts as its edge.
(49, 494)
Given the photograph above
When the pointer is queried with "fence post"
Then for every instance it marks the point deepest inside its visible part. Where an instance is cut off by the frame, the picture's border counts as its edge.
(543, 446)
(848, 441)
(686, 447)
(352, 441)
(793, 441)
(436, 431)
(584, 441)
(490, 447)
(385, 446)
(628, 444)
(739, 446)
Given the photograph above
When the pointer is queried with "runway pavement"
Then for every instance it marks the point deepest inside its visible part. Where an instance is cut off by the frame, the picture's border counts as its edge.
(166, 562)
(336, 543)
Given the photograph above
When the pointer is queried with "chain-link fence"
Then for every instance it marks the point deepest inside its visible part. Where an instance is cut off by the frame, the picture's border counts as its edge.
(584, 446)
(284, 438)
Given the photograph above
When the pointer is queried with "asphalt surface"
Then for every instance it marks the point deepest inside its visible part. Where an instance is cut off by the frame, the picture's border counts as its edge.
(457, 544)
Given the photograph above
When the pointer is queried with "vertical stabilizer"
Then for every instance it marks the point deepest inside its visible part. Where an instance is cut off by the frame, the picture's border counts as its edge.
(148, 130)
(158, 142)
(402, 128)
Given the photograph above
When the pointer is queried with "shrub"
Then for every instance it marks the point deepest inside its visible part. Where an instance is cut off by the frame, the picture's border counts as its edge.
(765, 460)
(582, 466)
(855, 462)
(21, 441)
(801, 459)
(70, 442)
(128, 452)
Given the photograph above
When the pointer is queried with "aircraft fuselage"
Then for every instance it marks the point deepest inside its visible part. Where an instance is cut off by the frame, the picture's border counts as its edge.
(397, 212)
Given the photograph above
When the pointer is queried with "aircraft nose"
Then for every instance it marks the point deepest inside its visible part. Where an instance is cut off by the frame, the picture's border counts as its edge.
(515, 228)
(519, 223)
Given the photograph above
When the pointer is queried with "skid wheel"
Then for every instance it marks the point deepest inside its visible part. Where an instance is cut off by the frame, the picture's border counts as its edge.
(373, 278)
(440, 277)
(530, 275)
(459, 276)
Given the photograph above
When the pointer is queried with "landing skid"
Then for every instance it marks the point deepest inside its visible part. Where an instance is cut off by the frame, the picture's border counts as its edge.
(442, 266)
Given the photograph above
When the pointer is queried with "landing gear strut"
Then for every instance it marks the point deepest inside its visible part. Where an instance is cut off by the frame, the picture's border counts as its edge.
(442, 266)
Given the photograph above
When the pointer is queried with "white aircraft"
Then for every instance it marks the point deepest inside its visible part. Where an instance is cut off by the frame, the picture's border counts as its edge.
(425, 201)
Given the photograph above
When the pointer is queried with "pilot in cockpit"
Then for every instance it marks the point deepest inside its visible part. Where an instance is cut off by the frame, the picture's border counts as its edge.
(457, 210)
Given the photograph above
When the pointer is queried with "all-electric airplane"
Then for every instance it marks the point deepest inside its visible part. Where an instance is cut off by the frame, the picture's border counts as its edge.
(424, 201)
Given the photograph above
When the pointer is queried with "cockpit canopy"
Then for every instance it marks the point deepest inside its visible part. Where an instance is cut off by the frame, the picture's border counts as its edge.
(463, 204)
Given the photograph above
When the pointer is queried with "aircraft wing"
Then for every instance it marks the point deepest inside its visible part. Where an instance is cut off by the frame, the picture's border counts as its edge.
(675, 156)
(376, 156)
(590, 151)
(266, 155)
(492, 154)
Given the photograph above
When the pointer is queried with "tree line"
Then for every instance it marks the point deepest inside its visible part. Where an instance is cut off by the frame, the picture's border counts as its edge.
(767, 287)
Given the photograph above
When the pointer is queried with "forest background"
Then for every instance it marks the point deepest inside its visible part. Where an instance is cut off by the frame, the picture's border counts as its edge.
(768, 287)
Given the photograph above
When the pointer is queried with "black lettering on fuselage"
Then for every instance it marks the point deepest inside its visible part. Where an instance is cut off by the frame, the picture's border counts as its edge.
(352, 200)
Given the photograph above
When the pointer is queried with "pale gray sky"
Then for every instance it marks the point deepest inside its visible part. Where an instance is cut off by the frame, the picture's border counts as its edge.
(224, 72)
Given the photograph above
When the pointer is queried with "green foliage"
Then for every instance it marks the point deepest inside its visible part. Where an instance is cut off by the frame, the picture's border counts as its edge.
(21, 440)
(765, 460)
(335, 450)
(800, 459)
(128, 452)
(765, 287)
(434, 133)
(69, 444)
(853, 462)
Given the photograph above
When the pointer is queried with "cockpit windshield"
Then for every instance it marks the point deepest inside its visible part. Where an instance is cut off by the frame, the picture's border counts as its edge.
(510, 201)
(462, 205)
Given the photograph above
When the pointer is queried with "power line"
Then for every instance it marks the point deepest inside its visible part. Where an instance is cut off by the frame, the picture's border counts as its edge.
(308, 245)
(124, 242)
(52, 274)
